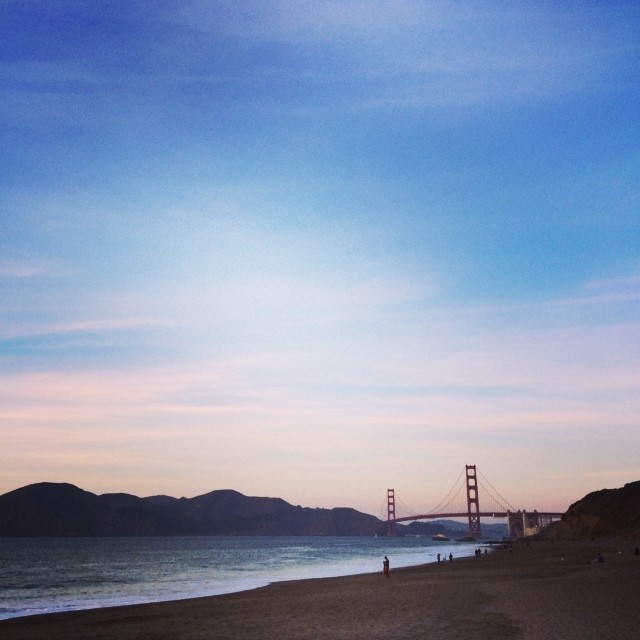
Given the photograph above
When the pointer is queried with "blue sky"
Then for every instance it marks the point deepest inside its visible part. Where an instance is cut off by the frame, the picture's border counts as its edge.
(320, 249)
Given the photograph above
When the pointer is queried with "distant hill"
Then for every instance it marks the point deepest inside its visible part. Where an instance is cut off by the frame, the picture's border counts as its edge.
(51, 509)
(454, 529)
(605, 513)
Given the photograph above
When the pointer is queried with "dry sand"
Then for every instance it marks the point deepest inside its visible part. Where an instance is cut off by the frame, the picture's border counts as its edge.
(542, 590)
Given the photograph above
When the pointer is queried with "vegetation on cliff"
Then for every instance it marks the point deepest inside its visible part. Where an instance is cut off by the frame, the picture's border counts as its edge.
(604, 513)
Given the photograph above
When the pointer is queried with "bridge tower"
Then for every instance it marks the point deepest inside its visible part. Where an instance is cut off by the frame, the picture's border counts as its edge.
(473, 506)
(391, 512)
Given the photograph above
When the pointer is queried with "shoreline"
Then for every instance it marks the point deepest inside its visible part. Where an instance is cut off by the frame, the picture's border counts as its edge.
(542, 590)
(224, 575)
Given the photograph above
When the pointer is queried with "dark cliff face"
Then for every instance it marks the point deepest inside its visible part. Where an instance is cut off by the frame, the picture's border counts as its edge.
(50, 509)
(59, 509)
(604, 513)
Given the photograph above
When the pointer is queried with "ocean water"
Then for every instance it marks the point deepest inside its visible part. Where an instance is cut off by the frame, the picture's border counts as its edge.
(42, 575)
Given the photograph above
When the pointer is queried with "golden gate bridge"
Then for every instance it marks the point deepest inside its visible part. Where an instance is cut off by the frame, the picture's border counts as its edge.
(520, 522)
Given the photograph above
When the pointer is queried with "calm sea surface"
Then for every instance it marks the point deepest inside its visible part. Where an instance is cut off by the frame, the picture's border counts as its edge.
(40, 575)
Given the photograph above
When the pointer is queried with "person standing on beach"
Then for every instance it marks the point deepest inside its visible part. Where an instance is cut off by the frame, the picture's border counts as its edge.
(385, 566)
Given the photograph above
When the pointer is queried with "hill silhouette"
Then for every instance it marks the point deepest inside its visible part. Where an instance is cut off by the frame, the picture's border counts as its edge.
(60, 509)
(604, 513)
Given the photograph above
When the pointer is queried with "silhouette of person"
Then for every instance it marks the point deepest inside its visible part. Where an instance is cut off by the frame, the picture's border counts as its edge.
(451, 557)
(385, 566)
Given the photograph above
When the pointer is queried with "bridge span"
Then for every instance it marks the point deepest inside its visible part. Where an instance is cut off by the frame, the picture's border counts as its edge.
(520, 522)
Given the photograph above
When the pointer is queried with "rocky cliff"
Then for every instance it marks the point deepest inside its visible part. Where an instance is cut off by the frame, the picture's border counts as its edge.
(605, 513)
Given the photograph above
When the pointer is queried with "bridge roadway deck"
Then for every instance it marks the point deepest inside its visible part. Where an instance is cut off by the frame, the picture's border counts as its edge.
(465, 514)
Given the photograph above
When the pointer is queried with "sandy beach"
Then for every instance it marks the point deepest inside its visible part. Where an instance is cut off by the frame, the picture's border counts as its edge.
(540, 590)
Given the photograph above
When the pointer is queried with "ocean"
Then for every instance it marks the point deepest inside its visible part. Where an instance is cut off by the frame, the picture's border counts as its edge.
(43, 575)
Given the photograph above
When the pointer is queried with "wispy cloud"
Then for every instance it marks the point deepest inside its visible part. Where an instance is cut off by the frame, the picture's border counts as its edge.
(29, 328)
(17, 269)
(425, 55)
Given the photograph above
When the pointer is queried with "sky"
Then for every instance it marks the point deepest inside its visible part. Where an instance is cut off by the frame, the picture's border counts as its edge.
(319, 249)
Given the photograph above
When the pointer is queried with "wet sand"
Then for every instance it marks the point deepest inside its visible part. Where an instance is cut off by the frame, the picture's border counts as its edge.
(542, 590)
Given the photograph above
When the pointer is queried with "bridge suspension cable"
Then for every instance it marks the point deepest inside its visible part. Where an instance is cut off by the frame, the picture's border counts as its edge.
(499, 499)
(406, 510)
(450, 497)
